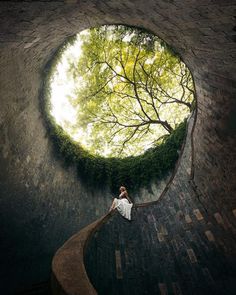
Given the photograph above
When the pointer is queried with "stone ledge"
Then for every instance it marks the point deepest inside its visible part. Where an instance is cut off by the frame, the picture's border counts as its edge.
(68, 271)
(69, 259)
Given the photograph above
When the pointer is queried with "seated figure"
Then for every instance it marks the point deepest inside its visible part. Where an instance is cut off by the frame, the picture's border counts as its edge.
(123, 204)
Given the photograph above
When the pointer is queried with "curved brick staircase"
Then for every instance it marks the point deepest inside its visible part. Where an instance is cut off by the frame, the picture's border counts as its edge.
(172, 246)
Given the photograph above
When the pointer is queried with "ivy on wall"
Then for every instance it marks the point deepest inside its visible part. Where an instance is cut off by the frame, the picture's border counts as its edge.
(97, 171)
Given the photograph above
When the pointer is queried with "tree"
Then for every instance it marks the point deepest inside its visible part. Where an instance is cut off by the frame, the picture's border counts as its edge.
(131, 91)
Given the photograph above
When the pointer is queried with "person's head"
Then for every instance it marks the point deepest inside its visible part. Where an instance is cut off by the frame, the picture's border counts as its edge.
(122, 189)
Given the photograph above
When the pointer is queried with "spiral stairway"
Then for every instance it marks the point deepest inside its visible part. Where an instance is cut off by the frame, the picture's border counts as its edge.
(171, 246)
(184, 243)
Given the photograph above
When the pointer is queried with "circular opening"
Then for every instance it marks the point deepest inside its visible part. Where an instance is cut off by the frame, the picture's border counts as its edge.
(119, 91)
(117, 99)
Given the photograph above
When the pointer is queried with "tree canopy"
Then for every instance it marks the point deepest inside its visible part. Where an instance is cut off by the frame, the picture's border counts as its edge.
(130, 91)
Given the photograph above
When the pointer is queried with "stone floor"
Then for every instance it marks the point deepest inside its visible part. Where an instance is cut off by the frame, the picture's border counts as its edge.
(172, 247)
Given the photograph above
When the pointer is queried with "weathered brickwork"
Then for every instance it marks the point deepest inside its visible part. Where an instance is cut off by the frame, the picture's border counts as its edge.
(42, 202)
(172, 247)
(214, 143)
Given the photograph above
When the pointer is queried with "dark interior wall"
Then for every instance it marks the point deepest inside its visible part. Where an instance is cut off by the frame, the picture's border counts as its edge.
(173, 246)
(42, 202)
(215, 165)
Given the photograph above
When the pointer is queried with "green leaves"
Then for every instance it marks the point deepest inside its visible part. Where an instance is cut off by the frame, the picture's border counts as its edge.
(130, 94)
(130, 91)
(134, 172)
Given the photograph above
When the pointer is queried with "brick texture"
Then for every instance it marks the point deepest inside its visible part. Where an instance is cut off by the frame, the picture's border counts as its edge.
(42, 202)
(164, 251)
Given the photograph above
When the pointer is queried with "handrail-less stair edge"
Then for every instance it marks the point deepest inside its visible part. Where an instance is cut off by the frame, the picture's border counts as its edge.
(69, 276)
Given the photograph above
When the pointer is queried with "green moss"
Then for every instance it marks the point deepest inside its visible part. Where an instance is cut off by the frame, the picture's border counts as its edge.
(134, 172)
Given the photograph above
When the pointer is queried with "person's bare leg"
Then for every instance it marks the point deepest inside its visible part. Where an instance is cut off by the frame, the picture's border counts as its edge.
(112, 206)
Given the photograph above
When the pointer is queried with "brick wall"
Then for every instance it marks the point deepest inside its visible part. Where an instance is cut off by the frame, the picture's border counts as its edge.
(174, 246)
(42, 202)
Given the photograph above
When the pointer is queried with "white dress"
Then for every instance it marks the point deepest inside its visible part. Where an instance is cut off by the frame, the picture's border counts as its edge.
(123, 206)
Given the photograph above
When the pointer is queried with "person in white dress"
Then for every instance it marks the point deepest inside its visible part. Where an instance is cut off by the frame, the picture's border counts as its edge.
(123, 204)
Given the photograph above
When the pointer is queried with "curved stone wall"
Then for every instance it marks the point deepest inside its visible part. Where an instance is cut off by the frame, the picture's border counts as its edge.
(172, 246)
(42, 202)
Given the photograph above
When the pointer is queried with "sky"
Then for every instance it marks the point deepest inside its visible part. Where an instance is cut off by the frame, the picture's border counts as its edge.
(62, 92)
